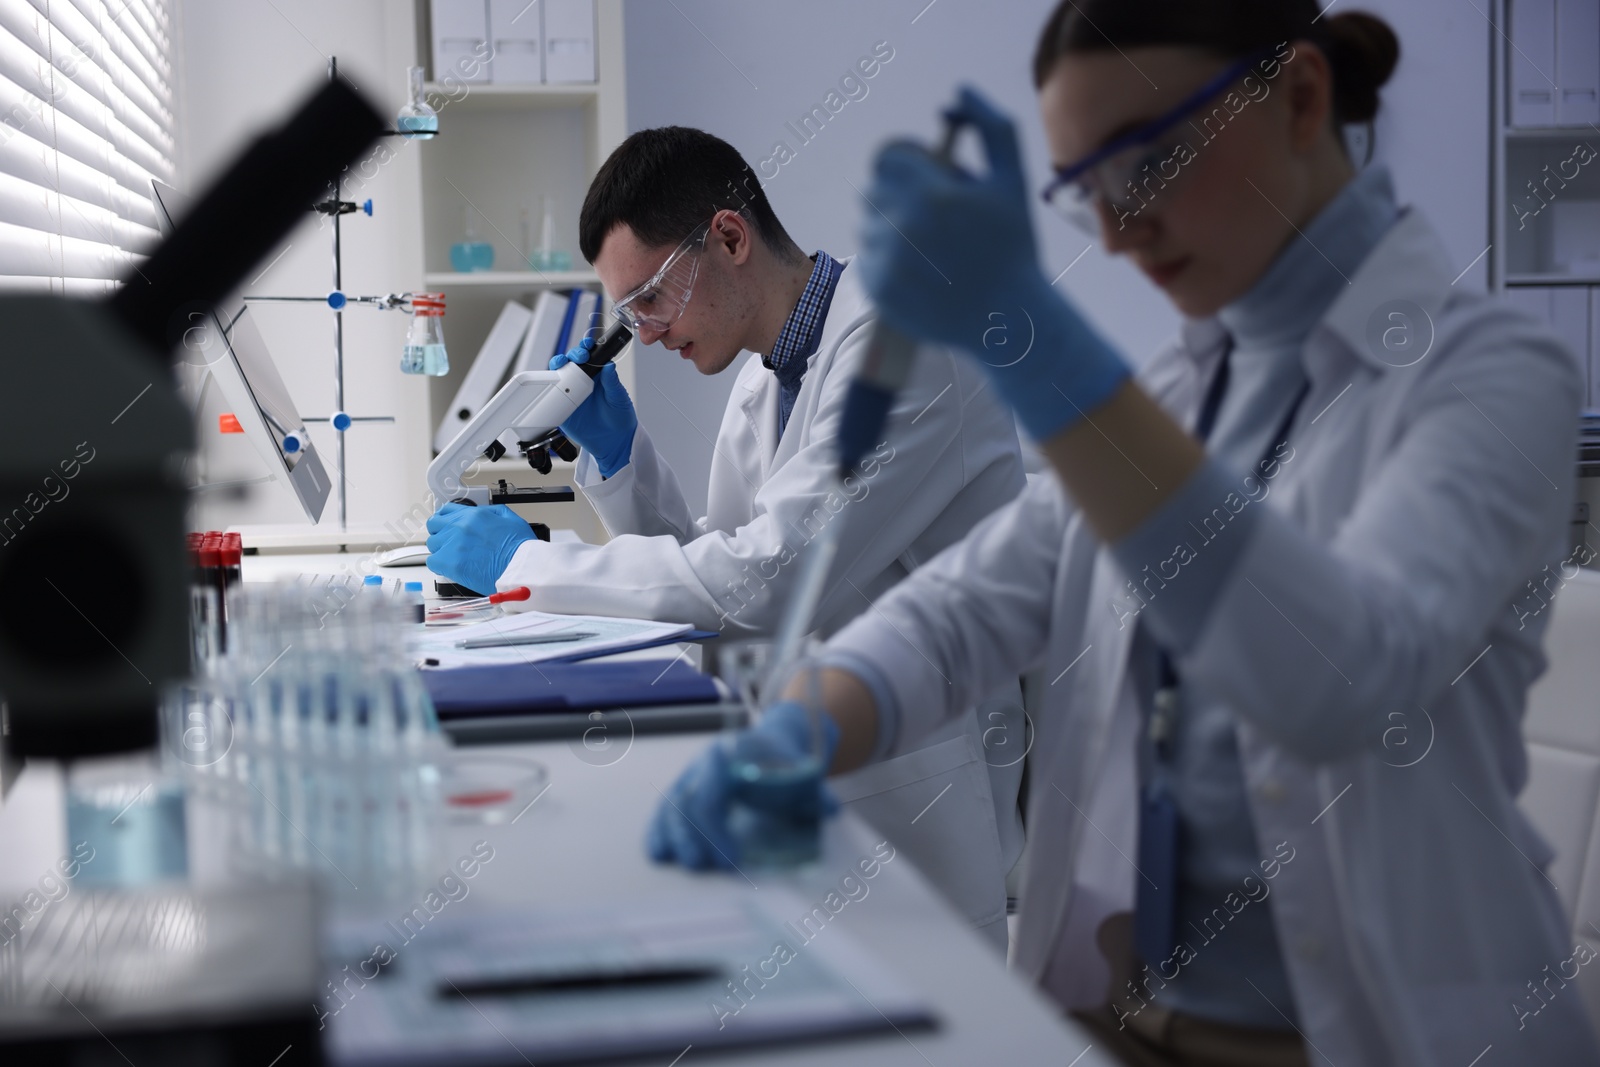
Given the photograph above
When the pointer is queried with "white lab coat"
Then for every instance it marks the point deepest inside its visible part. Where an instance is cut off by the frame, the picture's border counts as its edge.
(1375, 595)
(950, 459)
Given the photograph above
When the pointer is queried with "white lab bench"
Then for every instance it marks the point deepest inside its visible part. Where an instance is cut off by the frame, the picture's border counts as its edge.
(582, 840)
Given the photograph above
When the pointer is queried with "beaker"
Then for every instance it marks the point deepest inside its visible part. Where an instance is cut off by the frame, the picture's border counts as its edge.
(775, 807)
(129, 812)
(470, 253)
(544, 255)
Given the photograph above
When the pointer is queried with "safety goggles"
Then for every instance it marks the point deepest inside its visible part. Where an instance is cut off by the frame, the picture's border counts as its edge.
(1142, 161)
(659, 302)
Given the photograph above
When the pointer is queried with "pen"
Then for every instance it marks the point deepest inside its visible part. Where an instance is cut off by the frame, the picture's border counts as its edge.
(603, 978)
(524, 639)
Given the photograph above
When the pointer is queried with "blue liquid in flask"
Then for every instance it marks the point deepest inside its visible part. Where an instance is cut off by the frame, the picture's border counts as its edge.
(425, 359)
(418, 127)
(776, 838)
(468, 256)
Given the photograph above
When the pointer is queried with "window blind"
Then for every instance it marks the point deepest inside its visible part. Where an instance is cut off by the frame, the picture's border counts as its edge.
(85, 122)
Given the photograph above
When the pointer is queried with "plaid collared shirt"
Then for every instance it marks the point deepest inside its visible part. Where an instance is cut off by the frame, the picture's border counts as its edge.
(801, 334)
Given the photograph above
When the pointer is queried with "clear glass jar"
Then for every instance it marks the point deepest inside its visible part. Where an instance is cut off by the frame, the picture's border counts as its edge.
(424, 351)
(129, 810)
(770, 814)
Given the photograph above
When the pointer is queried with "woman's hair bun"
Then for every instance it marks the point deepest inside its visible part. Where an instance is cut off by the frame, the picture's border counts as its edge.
(1363, 51)
(1361, 48)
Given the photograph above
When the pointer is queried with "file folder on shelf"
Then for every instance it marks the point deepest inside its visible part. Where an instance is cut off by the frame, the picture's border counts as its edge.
(1577, 72)
(1532, 58)
(569, 41)
(461, 40)
(488, 370)
(518, 47)
(584, 321)
(539, 344)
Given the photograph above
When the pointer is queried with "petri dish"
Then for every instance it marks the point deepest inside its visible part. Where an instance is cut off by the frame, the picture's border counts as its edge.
(490, 789)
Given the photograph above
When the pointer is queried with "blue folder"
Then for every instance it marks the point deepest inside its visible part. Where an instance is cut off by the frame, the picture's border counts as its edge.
(565, 335)
(530, 688)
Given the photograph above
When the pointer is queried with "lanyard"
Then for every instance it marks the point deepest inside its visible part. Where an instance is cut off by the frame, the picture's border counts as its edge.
(1160, 826)
(1164, 713)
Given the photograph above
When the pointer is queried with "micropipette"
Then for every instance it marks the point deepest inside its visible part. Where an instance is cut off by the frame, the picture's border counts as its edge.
(887, 366)
(884, 372)
(461, 607)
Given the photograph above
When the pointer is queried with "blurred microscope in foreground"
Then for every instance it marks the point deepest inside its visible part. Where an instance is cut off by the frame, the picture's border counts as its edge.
(95, 628)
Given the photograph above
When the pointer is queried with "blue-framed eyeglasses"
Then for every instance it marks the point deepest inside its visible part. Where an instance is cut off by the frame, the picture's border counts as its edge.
(1112, 173)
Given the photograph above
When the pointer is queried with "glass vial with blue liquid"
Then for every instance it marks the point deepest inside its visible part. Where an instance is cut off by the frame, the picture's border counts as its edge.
(129, 810)
(417, 121)
(424, 351)
(777, 770)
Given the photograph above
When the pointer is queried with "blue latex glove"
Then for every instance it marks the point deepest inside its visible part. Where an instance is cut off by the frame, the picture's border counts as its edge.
(603, 425)
(691, 825)
(949, 256)
(472, 546)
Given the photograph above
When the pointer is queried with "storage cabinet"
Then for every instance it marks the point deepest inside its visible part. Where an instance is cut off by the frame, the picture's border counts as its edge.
(502, 149)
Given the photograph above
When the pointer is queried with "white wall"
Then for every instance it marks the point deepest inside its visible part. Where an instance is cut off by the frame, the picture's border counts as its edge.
(742, 70)
(243, 65)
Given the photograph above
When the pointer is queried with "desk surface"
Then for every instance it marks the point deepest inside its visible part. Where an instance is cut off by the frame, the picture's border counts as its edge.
(582, 840)
(268, 566)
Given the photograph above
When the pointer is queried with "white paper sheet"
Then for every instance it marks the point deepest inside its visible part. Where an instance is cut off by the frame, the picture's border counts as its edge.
(611, 635)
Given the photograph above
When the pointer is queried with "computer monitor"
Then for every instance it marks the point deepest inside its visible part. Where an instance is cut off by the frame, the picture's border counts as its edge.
(239, 362)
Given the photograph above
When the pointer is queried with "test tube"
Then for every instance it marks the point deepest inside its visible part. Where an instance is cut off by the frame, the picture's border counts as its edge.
(212, 576)
(232, 558)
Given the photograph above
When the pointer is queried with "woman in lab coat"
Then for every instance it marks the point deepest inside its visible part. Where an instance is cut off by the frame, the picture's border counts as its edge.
(1272, 811)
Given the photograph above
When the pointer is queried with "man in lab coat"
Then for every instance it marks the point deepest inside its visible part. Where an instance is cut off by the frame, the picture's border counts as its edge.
(688, 247)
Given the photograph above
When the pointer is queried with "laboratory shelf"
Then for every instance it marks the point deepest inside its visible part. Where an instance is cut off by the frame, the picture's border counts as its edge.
(510, 279)
(505, 152)
(471, 97)
(1514, 281)
(1545, 132)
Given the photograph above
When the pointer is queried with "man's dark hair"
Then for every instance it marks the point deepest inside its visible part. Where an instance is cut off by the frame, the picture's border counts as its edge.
(664, 182)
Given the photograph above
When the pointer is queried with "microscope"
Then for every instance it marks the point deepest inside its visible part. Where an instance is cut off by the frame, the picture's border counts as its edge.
(94, 624)
(525, 416)
(93, 571)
